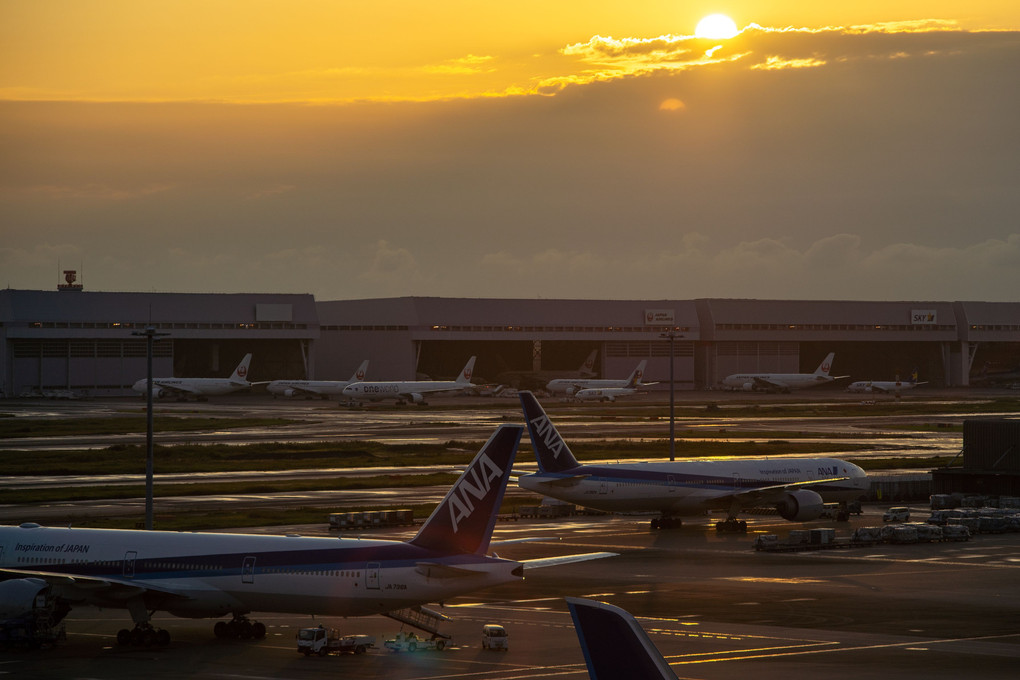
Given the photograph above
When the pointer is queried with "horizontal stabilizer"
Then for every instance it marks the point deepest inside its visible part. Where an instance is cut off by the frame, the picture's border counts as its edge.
(436, 570)
(542, 562)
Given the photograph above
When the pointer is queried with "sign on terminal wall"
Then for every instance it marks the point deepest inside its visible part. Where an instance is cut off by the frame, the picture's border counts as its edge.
(659, 317)
(923, 317)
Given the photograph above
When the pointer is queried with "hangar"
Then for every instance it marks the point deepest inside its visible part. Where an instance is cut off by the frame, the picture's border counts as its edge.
(85, 342)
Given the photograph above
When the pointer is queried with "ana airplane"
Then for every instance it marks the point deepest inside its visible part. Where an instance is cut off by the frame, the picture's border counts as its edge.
(409, 390)
(206, 575)
(521, 380)
(316, 388)
(570, 386)
(182, 388)
(797, 487)
(884, 386)
(783, 382)
(614, 644)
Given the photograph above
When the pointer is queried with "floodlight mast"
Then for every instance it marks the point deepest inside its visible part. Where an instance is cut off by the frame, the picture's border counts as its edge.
(151, 336)
(671, 336)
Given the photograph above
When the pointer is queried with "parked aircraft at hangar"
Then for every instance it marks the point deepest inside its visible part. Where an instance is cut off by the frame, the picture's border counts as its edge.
(409, 390)
(884, 386)
(797, 487)
(783, 382)
(316, 388)
(182, 388)
(570, 386)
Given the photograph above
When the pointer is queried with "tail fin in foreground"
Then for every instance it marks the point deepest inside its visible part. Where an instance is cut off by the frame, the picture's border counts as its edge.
(240, 374)
(826, 365)
(551, 451)
(463, 521)
(615, 647)
(465, 375)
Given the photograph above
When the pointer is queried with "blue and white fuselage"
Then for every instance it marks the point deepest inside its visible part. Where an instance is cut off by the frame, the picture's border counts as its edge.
(797, 487)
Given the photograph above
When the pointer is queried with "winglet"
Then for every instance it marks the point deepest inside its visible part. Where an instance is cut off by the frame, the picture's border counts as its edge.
(463, 521)
(551, 451)
(614, 644)
(240, 374)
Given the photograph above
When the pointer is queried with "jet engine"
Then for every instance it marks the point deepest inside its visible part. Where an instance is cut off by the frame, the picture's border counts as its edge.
(159, 393)
(289, 392)
(801, 506)
(748, 387)
(417, 398)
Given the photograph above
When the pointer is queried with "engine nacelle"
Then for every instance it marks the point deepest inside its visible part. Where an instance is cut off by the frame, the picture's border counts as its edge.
(289, 392)
(801, 506)
(747, 387)
(159, 393)
(417, 398)
(21, 597)
(570, 391)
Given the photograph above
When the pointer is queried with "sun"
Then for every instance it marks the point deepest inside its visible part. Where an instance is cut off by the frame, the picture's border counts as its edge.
(716, 27)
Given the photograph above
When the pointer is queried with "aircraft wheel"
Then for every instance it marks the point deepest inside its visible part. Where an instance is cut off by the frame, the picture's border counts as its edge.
(162, 637)
(220, 629)
(245, 630)
(412, 646)
(124, 637)
(258, 630)
(441, 645)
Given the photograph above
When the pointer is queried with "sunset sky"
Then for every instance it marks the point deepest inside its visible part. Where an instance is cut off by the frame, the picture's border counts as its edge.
(867, 150)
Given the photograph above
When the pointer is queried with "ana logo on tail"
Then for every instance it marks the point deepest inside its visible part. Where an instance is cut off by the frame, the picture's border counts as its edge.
(461, 505)
(550, 438)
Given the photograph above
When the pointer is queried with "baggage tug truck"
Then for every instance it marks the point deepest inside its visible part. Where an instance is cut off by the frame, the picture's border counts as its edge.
(323, 641)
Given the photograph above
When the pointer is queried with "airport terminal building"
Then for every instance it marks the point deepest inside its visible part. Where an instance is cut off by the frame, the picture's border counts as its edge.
(91, 343)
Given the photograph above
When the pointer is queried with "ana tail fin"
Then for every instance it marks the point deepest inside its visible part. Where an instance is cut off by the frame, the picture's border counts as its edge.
(614, 644)
(240, 374)
(551, 451)
(465, 375)
(826, 365)
(463, 521)
(360, 373)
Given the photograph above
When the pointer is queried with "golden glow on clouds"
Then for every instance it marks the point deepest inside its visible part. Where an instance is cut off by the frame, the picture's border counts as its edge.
(326, 52)
(672, 104)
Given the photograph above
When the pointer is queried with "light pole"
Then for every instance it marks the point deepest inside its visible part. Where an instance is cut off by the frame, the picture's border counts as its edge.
(672, 336)
(150, 337)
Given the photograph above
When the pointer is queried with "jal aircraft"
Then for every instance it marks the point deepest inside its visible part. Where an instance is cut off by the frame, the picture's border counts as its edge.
(797, 487)
(570, 386)
(409, 390)
(783, 382)
(604, 393)
(207, 575)
(884, 386)
(182, 388)
(316, 388)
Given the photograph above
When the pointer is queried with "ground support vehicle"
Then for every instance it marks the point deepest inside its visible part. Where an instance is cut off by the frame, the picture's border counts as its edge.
(33, 618)
(802, 539)
(323, 641)
(494, 637)
(411, 642)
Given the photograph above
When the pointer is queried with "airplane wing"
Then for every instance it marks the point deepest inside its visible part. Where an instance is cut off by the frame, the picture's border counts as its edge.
(436, 570)
(541, 562)
(177, 389)
(879, 388)
(93, 589)
(768, 384)
(572, 480)
(765, 495)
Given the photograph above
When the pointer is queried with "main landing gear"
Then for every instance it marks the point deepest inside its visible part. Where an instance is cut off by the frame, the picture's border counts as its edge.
(666, 522)
(240, 627)
(143, 635)
(731, 526)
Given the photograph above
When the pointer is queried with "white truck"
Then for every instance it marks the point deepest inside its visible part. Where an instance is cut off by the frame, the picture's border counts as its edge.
(410, 642)
(323, 641)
